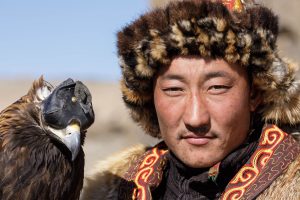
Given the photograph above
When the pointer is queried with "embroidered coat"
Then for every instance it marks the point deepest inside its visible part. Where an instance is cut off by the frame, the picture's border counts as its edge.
(272, 172)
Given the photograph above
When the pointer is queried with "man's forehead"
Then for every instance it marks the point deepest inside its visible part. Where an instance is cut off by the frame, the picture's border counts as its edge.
(205, 74)
(206, 68)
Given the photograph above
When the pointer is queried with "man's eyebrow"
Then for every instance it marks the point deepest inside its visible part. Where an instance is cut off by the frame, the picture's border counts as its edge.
(216, 74)
(173, 77)
(207, 76)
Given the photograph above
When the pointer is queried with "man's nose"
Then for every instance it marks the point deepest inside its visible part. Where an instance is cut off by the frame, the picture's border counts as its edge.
(196, 114)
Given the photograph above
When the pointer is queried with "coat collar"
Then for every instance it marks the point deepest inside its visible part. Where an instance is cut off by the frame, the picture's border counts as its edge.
(275, 151)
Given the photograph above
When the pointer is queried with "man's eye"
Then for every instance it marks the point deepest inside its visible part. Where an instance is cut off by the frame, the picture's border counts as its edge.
(216, 89)
(173, 91)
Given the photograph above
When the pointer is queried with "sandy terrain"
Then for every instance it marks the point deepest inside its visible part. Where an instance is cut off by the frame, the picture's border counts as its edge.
(113, 129)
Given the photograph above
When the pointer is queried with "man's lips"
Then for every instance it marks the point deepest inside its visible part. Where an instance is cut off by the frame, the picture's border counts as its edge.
(198, 140)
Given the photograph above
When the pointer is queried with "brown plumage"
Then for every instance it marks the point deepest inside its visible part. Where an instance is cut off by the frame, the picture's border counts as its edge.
(35, 162)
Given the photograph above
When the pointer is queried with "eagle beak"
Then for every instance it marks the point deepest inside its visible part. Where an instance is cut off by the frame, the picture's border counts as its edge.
(72, 139)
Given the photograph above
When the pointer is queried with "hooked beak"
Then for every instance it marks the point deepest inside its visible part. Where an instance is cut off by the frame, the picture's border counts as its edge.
(72, 139)
(67, 112)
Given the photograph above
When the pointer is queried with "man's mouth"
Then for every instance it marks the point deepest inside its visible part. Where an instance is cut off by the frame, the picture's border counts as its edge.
(197, 140)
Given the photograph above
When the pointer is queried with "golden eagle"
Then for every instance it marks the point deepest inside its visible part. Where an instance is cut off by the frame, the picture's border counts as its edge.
(41, 134)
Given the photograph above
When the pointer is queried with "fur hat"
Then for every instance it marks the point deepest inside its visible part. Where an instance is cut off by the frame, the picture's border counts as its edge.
(207, 29)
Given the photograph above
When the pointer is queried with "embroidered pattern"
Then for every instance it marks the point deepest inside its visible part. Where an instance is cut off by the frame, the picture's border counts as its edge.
(234, 5)
(214, 171)
(270, 139)
(276, 150)
(146, 174)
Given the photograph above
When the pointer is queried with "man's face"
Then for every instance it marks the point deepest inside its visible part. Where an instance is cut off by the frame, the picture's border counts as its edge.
(203, 109)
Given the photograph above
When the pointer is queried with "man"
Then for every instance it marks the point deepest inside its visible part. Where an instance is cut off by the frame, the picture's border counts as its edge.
(205, 77)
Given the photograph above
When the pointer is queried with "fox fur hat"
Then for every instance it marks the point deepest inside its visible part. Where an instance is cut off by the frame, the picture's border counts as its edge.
(207, 29)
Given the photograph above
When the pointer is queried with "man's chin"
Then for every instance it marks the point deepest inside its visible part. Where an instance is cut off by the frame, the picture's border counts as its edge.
(195, 162)
(200, 158)
(200, 165)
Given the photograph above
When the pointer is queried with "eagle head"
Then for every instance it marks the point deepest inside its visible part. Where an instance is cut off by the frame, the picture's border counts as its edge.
(66, 111)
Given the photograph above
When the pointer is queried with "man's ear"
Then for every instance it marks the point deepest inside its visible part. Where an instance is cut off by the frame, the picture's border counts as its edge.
(255, 98)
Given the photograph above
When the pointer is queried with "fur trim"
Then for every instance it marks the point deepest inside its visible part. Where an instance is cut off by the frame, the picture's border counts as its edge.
(206, 29)
(285, 186)
(103, 182)
(280, 92)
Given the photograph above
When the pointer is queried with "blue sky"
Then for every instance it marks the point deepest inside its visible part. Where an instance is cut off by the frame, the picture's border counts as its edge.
(63, 38)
